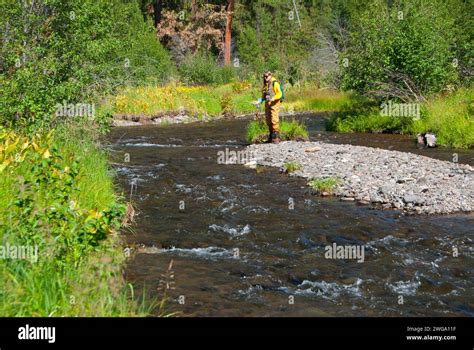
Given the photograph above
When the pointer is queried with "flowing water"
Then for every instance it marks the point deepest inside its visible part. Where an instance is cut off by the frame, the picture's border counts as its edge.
(239, 249)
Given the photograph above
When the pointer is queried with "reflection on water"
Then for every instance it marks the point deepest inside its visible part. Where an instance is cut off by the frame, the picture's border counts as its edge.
(240, 250)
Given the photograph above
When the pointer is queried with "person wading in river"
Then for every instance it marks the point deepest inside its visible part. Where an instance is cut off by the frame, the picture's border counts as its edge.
(272, 94)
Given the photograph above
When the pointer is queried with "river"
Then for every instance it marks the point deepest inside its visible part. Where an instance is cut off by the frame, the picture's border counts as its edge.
(239, 249)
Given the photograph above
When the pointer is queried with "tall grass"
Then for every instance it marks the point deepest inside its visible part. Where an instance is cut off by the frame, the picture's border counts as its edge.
(450, 117)
(368, 121)
(59, 196)
(291, 166)
(310, 98)
(94, 288)
(150, 101)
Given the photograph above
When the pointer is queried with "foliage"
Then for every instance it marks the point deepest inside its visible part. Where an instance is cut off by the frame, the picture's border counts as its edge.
(310, 98)
(451, 118)
(195, 100)
(57, 51)
(321, 185)
(400, 50)
(185, 33)
(44, 198)
(202, 69)
(227, 106)
(207, 100)
(269, 37)
(369, 120)
(57, 197)
(257, 131)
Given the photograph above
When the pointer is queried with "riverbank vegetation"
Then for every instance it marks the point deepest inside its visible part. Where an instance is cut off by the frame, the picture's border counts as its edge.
(292, 166)
(420, 55)
(60, 210)
(449, 117)
(60, 214)
(257, 131)
(209, 100)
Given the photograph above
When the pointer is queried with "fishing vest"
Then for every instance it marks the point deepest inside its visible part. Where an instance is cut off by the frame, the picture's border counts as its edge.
(268, 91)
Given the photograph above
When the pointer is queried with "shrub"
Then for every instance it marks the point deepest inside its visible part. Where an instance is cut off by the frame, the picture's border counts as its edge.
(45, 195)
(410, 56)
(227, 105)
(202, 69)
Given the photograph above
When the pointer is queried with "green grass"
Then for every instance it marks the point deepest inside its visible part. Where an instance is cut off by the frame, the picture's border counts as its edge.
(310, 98)
(78, 272)
(291, 166)
(450, 117)
(257, 131)
(320, 185)
(150, 101)
(368, 121)
(94, 288)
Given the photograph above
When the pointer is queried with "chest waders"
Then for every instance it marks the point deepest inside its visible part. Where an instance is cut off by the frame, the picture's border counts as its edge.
(272, 110)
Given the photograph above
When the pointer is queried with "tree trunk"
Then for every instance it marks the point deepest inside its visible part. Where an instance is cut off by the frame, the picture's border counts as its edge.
(157, 8)
(194, 6)
(228, 32)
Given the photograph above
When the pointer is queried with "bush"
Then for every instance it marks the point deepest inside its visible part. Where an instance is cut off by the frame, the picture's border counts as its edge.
(56, 195)
(227, 105)
(46, 193)
(202, 69)
(409, 47)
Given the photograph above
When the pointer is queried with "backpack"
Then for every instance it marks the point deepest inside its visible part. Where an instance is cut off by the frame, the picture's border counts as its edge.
(281, 88)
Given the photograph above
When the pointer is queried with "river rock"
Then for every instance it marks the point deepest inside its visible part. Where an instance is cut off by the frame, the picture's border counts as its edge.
(312, 149)
(385, 189)
(251, 165)
(426, 139)
(411, 198)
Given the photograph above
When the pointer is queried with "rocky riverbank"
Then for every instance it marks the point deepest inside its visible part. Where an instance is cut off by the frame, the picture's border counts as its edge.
(387, 179)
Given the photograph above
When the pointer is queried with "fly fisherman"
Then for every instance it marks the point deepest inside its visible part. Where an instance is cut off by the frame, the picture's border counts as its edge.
(271, 94)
